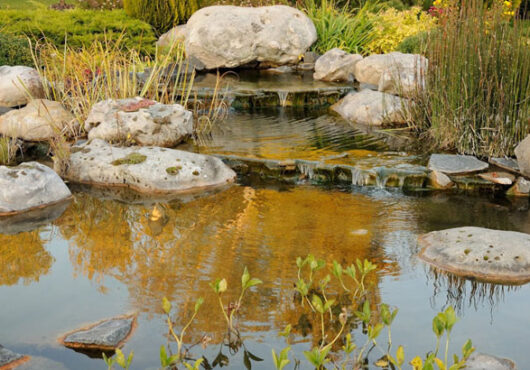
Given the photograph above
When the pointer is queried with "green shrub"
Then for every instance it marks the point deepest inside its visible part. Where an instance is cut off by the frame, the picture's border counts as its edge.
(161, 14)
(79, 27)
(414, 44)
(14, 51)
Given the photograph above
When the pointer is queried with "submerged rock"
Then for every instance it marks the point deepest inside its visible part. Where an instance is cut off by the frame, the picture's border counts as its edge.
(10, 359)
(105, 335)
(371, 69)
(473, 252)
(456, 164)
(139, 120)
(483, 361)
(231, 36)
(336, 65)
(145, 169)
(522, 152)
(18, 85)
(40, 120)
(521, 188)
(372, 108)
(28, 186)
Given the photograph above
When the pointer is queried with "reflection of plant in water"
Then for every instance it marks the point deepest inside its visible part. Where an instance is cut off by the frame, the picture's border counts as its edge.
(22, 256)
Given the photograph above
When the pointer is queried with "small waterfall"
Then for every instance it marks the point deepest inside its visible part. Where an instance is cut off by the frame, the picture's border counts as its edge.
(283, 95)
(359, 177)
(307, 169)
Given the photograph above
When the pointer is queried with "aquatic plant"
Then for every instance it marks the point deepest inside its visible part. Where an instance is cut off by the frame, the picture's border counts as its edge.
(118, 359)
(478, 82)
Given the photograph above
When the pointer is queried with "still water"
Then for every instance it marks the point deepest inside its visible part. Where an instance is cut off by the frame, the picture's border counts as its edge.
(104, 257)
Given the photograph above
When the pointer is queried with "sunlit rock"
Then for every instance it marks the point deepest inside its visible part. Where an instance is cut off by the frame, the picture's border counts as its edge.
(501, 178)
(231, 36)
(40, 120)
(18, 85)
(371, 69)
(28, 186)
(439, 180)
(451, 164)
(140, 121)
(522, 152)
(484, 254)
(105, 335)
(175, 35)
(145, 169)
(508, 164)
(336, 65)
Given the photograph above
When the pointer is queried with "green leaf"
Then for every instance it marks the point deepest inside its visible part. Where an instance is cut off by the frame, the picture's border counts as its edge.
(223, 285)
(299, 262)
(245, 278)
(120, 358)
(337, 269)
(286, 332)
(374, 331)
(450, 317)
(317, 303)
(166, 305)
(349, 347)
(328, 304)
(253, 282)
(438, 325)
(198, 304)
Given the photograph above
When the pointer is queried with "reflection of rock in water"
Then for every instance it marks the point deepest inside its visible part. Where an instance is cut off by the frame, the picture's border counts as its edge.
(28, 221)
(461, 293)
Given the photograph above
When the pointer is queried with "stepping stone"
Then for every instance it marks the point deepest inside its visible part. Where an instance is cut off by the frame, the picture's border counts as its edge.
(482, 361)
(484, 254)
(10, 359)
(508, 164)
(106, 335)
(452, 164)
(502, 178)
(30, 186)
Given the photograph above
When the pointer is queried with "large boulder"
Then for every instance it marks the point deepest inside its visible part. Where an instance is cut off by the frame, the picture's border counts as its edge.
(336, 65)
(231, 36)
(40, 120)
(28, 186)
(372, 108)
(173, 36)
(473, 252)
(522, 152)
(384, 70)
(18, 85)
(145, 169)
(140, 121)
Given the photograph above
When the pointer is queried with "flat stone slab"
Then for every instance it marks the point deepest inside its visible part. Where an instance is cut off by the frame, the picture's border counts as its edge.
(145, 169)
(508, 164)
(483, 361)
(484, 254)
(10, 359)
(106, 335)
(452, 164)
(501, 178)
(29, 186)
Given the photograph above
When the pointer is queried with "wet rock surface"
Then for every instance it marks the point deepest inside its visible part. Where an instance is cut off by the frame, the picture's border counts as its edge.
(336, 65)
(141, 121)
(371, 108)
(145, 169)
(18, 84)
(483, 361)
(40, 120)
(105, 335)
(231, 36)
(8, 357)
(488, 255)
(451, 164)
(28, 186)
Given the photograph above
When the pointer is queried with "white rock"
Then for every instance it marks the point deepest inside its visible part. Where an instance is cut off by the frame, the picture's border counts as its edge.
(372, 108)
(18, 85)
(145, 169)
(175, 35)
(28, 186)
(139, 120)
(40, 120)
(336, 65)
(522, 152)
(406, 82)
(231, 36)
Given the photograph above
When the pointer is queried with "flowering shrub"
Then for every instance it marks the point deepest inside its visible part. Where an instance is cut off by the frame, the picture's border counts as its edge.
(393, 26)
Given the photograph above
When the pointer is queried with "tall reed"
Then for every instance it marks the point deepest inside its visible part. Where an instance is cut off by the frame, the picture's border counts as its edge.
(477, 99)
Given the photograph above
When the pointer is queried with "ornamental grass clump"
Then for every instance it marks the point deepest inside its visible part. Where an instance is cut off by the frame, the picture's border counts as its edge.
(477, 99)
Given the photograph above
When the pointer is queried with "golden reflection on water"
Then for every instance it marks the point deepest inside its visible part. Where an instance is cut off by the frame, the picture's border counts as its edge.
(176, 249)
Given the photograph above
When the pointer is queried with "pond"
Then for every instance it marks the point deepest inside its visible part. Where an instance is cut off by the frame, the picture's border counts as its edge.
(105, 256)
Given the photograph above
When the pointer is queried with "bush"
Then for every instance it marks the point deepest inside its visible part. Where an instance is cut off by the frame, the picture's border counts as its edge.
(478, 82)
(79, 27)
(341, 28)
(393, 26)
(161, 14)
(100, 4)
(14, 51)
(415, 44)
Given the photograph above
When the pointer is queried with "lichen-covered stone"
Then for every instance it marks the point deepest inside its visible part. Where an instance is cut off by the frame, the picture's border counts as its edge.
(28, 186)
(144, 169)
(488, 255)
(106, 335)
(451, 164)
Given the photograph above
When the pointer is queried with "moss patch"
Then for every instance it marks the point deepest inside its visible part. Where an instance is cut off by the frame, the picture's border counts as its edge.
(173, 170)
(133, 158)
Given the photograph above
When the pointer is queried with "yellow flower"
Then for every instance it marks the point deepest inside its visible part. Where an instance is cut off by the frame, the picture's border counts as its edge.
(508, 4)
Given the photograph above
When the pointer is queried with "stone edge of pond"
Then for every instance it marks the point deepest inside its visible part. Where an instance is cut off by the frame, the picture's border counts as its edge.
(15, 359)
(36, 208)
(95, 347)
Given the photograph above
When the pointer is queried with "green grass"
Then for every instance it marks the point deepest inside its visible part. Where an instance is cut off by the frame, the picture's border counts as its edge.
(28, 4)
